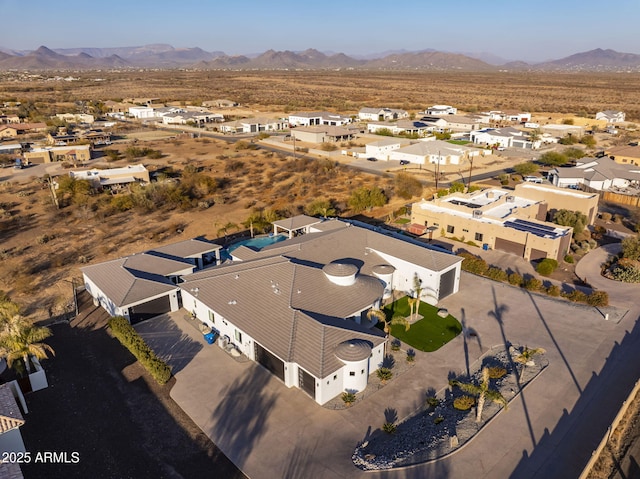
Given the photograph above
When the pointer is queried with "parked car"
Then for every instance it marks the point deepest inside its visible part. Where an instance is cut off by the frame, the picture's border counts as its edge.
(404, 162)
(371, 158)
(532, 179)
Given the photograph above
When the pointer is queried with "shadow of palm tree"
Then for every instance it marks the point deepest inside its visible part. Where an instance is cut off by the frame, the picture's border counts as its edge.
(390, 415)
(240, 418)
(388, 361)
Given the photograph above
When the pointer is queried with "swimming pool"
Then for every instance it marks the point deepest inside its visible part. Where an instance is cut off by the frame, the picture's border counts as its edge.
(254, 243)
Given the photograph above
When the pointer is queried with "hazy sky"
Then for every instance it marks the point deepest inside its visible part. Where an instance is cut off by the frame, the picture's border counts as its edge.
(515, 30)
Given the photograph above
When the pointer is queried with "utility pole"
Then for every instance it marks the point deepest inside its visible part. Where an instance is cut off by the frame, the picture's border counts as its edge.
(437, 171)
(470, 168)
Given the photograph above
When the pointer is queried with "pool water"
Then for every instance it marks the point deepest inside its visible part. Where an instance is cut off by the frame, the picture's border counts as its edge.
(254, 243)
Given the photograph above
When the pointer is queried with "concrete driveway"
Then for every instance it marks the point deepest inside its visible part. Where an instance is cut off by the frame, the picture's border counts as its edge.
(549, 431)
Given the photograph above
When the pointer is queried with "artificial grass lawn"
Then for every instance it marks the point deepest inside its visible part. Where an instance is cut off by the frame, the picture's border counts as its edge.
(430, 333)
(402, 221)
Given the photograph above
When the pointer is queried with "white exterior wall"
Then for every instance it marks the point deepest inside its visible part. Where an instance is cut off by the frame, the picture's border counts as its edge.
(330, 386)
(141, 112)
(381, 152)
(360, 370)
(304, 121)
(411, 158)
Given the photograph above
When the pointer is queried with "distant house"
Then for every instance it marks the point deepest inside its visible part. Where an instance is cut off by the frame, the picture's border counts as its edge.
(409, 127)
(611, 116)
(462, 123)
(318, 118)
(12, 118)
(143, 285)
(625, 154)
(432, 152)
(323, 134)
(441, 110)
(199, 118)
(563, 130)
(141, 112)
(382, 114)
(504, 138)
(382, 149)
(220, 103)
(113, 177)
(598, 174)
(253, 125)
(511, 116)
(13, 130)
(76, 117)
(71, 153)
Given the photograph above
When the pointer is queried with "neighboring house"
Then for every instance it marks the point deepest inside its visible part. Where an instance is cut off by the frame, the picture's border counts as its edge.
(441, 110)
(11, 118)
(113, 177)
(318, 118)
(11, 149)
(497, 219)
(511, 115)
(199, 118)
(596, 173)
(381, 149)
(253, 125)
(116, 107)
(13, 130)
(76, 117)
(409, 127)
(73, 154)
(220, 103)
(141, 112)
(323, 134)
(625, 154)
(461, 123)
(432, 152)
(141, 286)
(11, 420)
(503, 137)
(560, 199)
(299, 307)
(563, 130)
(611, 116)
(381, 114)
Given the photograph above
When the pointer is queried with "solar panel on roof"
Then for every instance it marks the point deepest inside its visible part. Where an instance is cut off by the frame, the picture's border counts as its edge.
(533, 228)
(535, 225)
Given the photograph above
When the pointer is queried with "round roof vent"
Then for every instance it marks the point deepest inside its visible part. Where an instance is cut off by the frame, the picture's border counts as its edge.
(343, 274)
(383, 269)
(353, 350)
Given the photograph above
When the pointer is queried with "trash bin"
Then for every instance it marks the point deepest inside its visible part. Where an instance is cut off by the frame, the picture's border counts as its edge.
(210, 337)
(485, 246)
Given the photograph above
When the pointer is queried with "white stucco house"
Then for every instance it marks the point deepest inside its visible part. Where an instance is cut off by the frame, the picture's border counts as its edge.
(381, 114)
(504, 137)
(432, 152)
(599, 174)
(441, 110)
(273, 304)
(611, 116)
(318, 118)
(253, 125)
(141, 112)
(144, 285)
(381, 149)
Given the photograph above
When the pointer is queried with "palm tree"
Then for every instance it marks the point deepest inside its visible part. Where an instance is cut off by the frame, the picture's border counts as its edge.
(526, 356)
(483, 392)
(382, 317)
(20, 339)
(412, 305)
(417, 288)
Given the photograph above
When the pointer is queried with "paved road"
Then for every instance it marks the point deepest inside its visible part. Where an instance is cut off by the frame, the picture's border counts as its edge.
(548, 432)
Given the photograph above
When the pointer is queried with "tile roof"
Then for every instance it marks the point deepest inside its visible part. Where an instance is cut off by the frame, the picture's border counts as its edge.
(190, 248)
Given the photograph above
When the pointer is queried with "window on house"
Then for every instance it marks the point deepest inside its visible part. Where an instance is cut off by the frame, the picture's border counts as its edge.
(479, 236)
(362, 371)
(352, 373)
(450, 229)
(238, 336)
(335, 376)
(212, 317)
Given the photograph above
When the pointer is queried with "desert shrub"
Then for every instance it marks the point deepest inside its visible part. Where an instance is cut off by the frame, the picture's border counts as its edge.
(474, 264)
(122, 202)
(328, 147)
(547, 266)
(384, 374)
(407, 186)
(497, 274)
(631, 248)
(433, 401)
(395, 344)
(130, 338)
(389, 427)
(44, 239)
(598, 298)
(112, 155)
(532, 284)
(411, 356)
(606, 216)
(464, 403)
(515, 279)
(576, 296)
(442, 192)
(553, 158)
(497, 372)
(569, 259)
(456, 187)
(348, 398)
(364, 198)
(527, 168)
(553, 290)
(438, 420)
(626, 273)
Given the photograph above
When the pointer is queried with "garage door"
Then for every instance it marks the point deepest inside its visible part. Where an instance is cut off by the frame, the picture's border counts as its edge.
(509, 246)
(447, 282)
(147, 310)
(537, 254)
(307, 382)
(269, 361)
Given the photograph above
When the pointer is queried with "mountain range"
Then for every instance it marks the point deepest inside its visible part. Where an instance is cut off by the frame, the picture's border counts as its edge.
(166, 56)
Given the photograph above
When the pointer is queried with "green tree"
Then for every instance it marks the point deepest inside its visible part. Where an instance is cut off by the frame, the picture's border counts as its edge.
(407, 186)
(553, 158)
(364, 198)
(631, 247)
(20, 340)
(574, 153)
(456, 187)
(384, 132)
(577, 220)
(73, 190)
(526, 168)
(589, 141)
(322, 208)
(482, 391)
